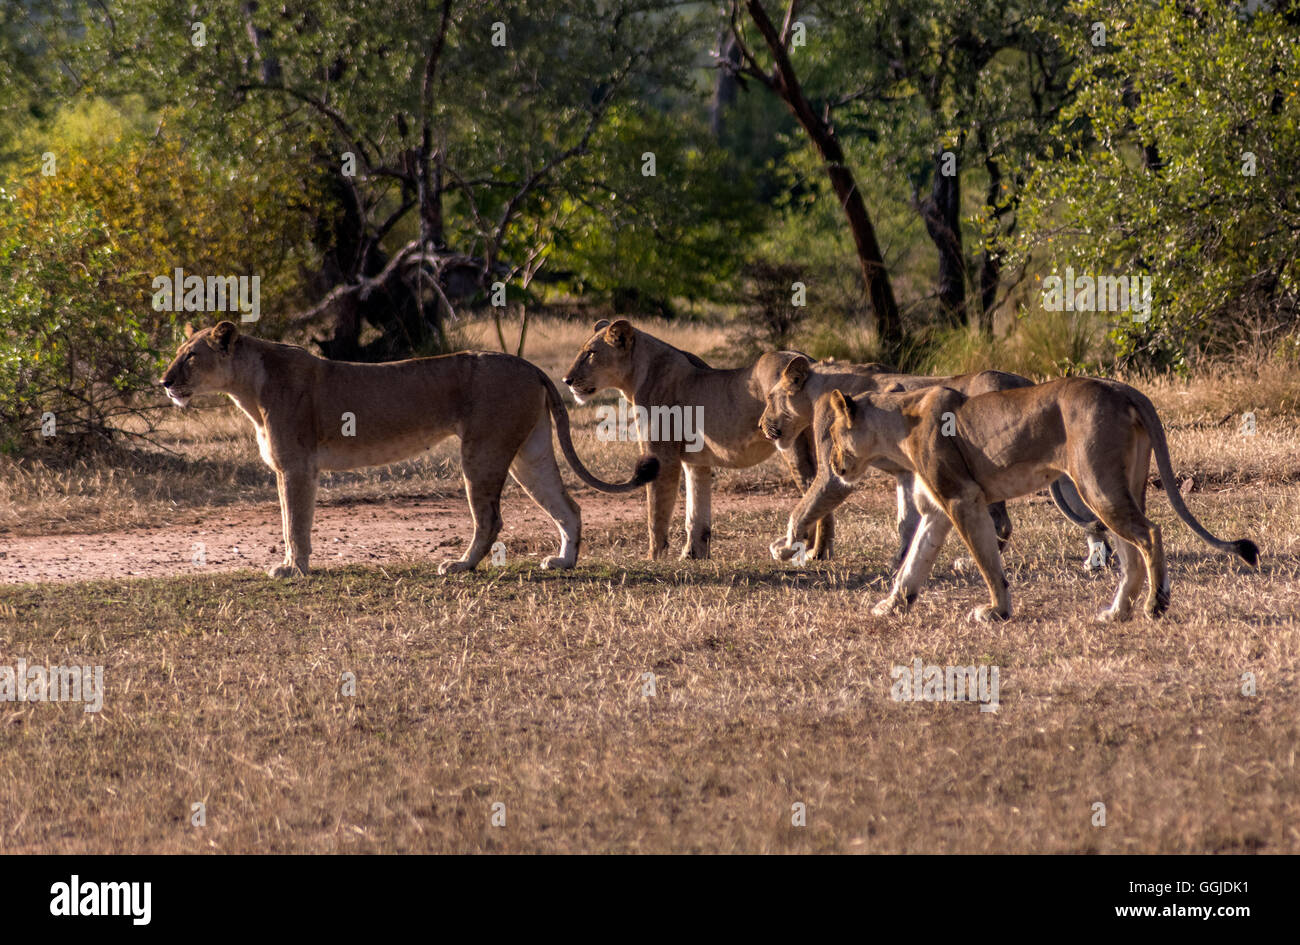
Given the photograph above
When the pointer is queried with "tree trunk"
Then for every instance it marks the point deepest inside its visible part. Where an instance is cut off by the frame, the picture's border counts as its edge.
(942, 216)
(990, 274)
(724, 85)
(266, 61)
(431, 209)
(876, 279)
(990, 259)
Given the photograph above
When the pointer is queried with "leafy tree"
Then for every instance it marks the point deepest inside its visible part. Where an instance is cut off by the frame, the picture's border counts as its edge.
(1181, 162)
(81, 246)
(445, 133)
(782, 78)
(677, 233)
(934, 97)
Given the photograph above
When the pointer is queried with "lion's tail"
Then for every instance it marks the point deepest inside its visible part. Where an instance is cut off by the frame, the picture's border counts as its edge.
(647, 467)
(1243, 548)
(1082, 519)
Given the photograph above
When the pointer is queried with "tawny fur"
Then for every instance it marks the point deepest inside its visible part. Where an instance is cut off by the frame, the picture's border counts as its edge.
(303, 409)
(1100, 433)
(788, 413)
(652, 373)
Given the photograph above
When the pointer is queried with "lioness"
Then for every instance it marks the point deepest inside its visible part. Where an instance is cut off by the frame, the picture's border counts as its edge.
(311, 414)
(654, 375)
(1007, 444)
(788, 412)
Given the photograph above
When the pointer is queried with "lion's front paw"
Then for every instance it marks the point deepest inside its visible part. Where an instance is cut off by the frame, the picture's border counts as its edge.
(556, 563)
(454, 566)
(286, 570)
(988, 613)
(1113, 615)
(891, 605)
(785, 550)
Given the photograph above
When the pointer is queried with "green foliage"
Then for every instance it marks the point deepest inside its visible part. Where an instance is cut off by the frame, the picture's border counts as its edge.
(1170, 116)
(67, 349)
(538, 149)
(902, 85)
(79, 250)
(680, 233)
(484, 132)
(806, 230)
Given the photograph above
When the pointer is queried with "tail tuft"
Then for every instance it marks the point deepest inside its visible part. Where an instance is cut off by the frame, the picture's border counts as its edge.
(1247, 550)
(647, 468)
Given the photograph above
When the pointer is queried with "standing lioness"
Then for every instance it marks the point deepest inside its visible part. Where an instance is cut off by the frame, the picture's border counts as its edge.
(721, 406)
(999, 446)
(311, 415)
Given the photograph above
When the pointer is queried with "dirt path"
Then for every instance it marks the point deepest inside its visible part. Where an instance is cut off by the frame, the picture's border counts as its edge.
(349, 532)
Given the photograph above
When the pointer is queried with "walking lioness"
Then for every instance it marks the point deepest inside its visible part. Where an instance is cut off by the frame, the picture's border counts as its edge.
(967, 452)
(312, 415)
(788, 412)
(723, 407)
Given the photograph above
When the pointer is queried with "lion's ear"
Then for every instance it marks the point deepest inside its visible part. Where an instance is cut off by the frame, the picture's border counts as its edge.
(601, 325)
(224, 335)
(843, 407)
(796, 372)
(620, 334)
(189, 330)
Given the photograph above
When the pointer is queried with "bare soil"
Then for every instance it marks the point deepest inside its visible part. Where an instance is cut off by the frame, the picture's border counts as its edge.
(345, 531)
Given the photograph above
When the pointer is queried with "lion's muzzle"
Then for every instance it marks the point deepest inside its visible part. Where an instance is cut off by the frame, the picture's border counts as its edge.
(581, 394)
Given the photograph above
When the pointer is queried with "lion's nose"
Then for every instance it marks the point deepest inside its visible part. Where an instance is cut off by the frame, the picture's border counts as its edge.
(567, 379)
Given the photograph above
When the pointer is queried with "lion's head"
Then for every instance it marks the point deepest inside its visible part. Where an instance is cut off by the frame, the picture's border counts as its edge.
(604, 361)
(788, 407)
(204, 364)
(852, 443)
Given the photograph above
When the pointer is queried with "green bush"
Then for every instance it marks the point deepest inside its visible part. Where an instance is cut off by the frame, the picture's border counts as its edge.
(79, 250)
(1180, 160)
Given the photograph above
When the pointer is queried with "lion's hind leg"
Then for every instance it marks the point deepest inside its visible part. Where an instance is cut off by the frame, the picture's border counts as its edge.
(1132, 577)
(1118, 498)
(699, 512)
(538, 474)
(1071, 505)
(1001, 523)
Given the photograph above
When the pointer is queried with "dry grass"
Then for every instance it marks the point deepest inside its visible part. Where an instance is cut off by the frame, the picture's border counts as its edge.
(773, 687)
(772, 684)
